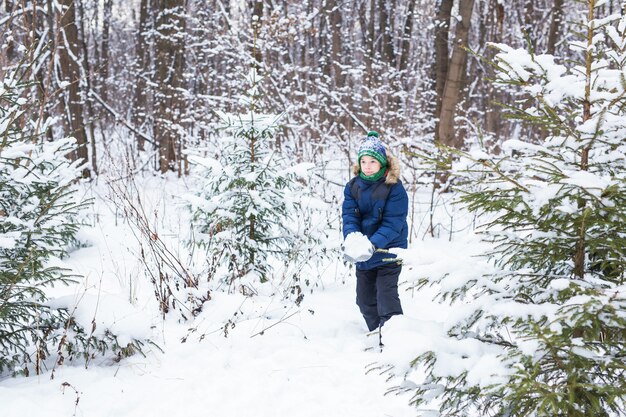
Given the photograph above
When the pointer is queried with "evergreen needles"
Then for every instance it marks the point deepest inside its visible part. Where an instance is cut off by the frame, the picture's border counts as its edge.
(551, 315)
(253, 214)
(37, 211)
(38, 221)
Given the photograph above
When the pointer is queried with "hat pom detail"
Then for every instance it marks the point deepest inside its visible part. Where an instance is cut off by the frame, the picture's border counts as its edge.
(372, 146)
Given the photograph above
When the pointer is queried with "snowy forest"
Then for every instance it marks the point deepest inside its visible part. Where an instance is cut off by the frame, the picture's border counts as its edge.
(172, 174)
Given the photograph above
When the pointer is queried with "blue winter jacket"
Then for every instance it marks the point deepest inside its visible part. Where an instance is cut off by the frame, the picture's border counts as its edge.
(382, 221)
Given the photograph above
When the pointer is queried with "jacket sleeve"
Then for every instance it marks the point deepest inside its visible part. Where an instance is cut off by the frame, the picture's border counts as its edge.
(394, 217)
(349, 213)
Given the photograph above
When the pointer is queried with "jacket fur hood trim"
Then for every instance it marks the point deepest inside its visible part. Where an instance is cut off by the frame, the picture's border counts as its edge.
(393, 169)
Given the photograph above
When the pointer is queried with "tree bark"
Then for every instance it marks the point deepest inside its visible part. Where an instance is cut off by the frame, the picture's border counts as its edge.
(142, 52)
(555, 25)
(407, 31)
(530, 22)
(71, 103)
(169, 102)
(385, 24)
(104, 48)
(38, 26)
(442, 31)
(331, 57)
(493, 112)
(88, 85)
(370, 57)
(335, 32)
(257, 16)
(9, 53)
(453, 86)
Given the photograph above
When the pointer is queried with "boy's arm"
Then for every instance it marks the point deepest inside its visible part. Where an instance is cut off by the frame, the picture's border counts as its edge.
(349, 213)
(394, 217)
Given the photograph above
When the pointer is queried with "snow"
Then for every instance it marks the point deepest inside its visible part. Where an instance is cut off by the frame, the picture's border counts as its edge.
(280, 373)
(587, 180)
(301, 170)
(242, 356)
(107, 312)
(357, 246)
(560, 284)
(261, 354)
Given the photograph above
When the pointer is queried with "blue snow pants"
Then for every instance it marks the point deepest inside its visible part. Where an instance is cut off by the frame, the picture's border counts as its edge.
(377, 294)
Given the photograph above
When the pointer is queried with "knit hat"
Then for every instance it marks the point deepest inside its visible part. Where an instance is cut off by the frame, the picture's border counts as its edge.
(372, 146)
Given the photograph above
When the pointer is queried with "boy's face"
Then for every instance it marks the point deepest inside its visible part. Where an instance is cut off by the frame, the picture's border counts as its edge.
(369, 165)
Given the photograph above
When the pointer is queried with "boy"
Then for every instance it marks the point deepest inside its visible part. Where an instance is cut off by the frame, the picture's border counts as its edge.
(374, 213)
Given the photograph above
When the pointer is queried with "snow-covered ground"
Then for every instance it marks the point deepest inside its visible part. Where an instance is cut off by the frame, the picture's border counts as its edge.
(242, 356)
(309, 365)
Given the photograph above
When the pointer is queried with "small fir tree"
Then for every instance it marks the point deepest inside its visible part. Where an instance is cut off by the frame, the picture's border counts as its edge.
(253, 212)
(39, 213)
(37, 222)
(550, 319)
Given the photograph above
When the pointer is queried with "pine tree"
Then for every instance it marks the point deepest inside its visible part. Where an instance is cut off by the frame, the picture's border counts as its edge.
(550, 318)
(252, 213)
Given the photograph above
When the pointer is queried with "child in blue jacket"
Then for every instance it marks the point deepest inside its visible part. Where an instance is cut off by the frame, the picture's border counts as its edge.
(374, 213)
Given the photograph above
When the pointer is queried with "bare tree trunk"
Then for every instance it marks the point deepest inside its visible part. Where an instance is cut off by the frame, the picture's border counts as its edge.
(442, 31)
(371, 35)
(405, 49)
(104, 63)
(493, 112)
(142, 51)
(67, 49)
(331, 58)
(370, 57)
(323, 37)
(385, 24)
(530, 22)
(555, 25)
(336, 41)
(37, 28)
(257, 16)
(88, 84)
(169, 102)
(453, 86)
(10, 52)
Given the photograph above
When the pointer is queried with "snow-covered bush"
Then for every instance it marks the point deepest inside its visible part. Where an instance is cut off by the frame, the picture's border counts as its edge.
(253, 213)
(551, 318)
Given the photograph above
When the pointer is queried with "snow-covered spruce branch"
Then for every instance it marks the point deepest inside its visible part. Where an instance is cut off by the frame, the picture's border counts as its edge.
(548, 313)
(493, 167)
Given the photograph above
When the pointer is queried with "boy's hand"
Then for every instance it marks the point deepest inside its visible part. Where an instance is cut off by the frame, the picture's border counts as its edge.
(357, 248)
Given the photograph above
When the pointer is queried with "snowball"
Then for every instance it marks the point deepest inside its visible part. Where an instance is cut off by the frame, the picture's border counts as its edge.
(356, 244)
